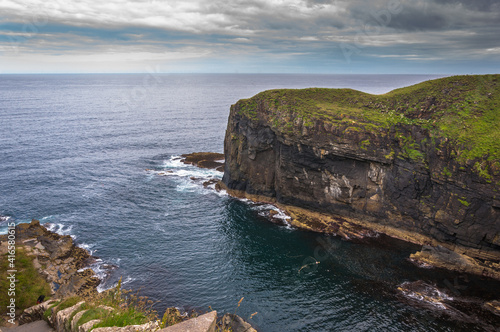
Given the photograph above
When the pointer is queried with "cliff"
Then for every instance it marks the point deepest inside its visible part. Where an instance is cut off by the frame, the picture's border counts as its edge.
(421, 163)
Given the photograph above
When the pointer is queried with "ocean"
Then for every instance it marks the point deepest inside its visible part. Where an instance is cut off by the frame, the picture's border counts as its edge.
(97, 157)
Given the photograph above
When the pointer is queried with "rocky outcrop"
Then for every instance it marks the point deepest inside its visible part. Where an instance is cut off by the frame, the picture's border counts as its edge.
(205, 160)
(57, 258)
(421, 164)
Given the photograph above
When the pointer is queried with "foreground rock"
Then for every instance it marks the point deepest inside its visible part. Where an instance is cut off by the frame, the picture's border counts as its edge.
(392, 163)
(203, 323)
(57, 259)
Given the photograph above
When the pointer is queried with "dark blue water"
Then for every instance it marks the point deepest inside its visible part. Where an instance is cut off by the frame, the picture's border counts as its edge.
(74, 150)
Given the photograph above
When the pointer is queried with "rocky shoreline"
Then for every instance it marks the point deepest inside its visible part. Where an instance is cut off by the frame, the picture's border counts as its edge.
(67, 269)
(64, 265)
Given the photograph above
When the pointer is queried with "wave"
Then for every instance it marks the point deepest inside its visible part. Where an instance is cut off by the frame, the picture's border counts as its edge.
(103, 286)
(188, 178)
(60, 229)
(87, 247)
(425, 294)
(4, 218)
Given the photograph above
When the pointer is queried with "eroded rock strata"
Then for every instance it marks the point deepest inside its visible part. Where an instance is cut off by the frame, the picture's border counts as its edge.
(419, 163)
(57, 258)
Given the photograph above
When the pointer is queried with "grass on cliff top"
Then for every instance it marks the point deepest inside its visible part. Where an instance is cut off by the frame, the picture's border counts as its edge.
(464, 109)
(29, 286)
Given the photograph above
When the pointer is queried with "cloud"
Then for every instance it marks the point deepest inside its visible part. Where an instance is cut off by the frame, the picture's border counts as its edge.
(307, 33)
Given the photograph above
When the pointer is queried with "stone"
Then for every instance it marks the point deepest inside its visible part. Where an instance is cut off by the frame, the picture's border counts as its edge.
(151, 326)
(203, 323)
(75, 319)
(34, 313)
(39, 246)
(62, 317)
(88, 326)
(234, 323)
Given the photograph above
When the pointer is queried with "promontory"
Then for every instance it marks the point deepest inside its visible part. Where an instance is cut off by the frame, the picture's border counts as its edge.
(420, 163)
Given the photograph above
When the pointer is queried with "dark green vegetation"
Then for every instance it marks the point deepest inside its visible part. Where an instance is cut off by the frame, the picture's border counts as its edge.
(463, 112)
(29, 286)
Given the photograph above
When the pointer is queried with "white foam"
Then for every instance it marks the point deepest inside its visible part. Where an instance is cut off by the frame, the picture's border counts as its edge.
(433, 297)
(173, 162)
(103, 287)
(4, 218)
(59, 229)
(87, 247)
(188, 187)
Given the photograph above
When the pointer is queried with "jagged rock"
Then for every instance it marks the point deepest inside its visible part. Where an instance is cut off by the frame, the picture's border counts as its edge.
(204, 160)
(203, 323)
(34, 313)
(445, 258)
(57, 259)
(61, 318)
(88, 326)
(234, 323)
(80, 283)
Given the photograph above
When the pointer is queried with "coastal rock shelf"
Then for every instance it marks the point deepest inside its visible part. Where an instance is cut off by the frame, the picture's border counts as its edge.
(420, 163)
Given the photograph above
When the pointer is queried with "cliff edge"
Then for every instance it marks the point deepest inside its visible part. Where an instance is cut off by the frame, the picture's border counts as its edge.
(420, 163)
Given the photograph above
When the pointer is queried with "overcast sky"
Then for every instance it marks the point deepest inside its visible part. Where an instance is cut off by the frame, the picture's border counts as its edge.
(250, 36)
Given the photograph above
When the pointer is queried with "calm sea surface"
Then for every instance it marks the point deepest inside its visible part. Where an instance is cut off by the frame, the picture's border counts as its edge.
(74, 150)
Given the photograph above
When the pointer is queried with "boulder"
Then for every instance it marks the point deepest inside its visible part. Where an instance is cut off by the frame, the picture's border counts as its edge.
(34, 313)
(234, 323)
(203, 323)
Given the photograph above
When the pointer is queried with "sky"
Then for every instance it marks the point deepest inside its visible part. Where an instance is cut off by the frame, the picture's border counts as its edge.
(250, 36)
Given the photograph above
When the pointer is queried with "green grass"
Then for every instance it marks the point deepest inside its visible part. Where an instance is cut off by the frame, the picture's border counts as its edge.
(91, 314)
(130, 316)
(48, 312)
(29, 286)
(67, 303)
(464, 110)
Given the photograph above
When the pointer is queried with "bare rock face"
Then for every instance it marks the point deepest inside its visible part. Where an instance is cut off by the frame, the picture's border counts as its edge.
(401, 180)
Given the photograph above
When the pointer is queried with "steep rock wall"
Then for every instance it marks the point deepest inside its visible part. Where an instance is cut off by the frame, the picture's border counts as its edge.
(401, 177)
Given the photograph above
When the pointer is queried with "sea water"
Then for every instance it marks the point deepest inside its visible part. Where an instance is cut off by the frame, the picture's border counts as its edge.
(97, 157)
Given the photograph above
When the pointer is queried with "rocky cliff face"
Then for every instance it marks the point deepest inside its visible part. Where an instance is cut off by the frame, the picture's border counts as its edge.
(420, 163)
